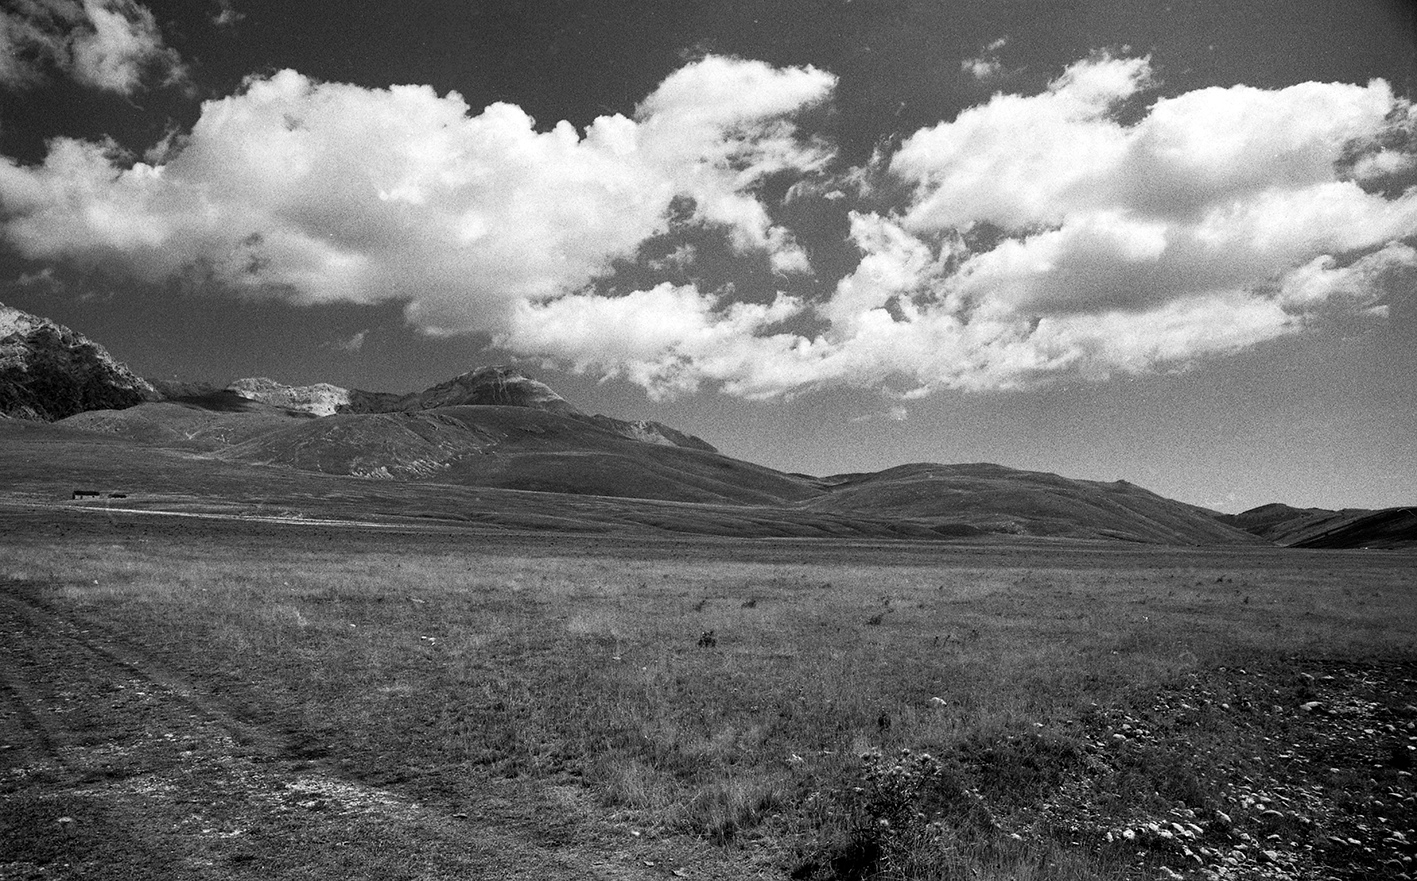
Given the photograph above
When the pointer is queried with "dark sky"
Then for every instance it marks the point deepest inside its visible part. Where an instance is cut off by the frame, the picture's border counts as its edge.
(1105, 239)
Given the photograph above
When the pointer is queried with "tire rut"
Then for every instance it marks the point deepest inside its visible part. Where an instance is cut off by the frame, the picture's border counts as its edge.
(115, 766)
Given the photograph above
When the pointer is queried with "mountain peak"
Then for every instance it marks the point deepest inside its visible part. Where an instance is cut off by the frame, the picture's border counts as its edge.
(48, 371)
(498, 385)
(485, 386)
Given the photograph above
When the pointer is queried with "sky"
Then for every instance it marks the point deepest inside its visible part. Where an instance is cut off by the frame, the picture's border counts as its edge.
(1173, 243)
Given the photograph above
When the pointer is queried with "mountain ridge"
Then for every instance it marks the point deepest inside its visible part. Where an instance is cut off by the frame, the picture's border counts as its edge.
(496, 430)
(49, 372)
(1292, 527)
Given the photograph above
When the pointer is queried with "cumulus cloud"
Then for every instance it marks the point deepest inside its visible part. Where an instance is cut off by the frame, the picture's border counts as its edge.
(113, 45)
(1090, 229)
(669, 339)
(1044, 236)
(325, 191)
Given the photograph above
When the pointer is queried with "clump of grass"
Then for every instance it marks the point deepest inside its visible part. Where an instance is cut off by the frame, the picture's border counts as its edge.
(716, 805)
(729, 804)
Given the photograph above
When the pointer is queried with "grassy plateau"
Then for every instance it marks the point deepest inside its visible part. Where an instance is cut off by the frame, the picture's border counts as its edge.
(336, 701)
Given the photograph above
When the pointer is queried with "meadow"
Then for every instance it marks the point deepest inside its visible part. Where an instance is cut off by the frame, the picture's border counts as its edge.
(804, 708)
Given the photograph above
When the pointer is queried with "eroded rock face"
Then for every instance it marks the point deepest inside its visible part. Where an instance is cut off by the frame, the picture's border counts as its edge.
(321, 399)
(48, 372)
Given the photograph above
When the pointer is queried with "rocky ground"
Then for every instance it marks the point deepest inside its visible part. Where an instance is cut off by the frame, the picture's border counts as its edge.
(1304, 772)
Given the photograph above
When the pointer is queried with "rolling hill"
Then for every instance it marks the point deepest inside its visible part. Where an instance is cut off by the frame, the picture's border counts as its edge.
(1004, 500)
(495, 446)
(1322, 528)
(510, 447)
(528, 457)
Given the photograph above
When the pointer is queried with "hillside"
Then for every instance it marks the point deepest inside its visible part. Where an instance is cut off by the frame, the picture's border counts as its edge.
(1322, 528)
(524, 468)
(440, 452)
(1005, 500)
(218, 421)
(510, 447)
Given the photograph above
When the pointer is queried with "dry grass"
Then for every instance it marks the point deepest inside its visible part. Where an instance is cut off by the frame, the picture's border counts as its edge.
(444, 662)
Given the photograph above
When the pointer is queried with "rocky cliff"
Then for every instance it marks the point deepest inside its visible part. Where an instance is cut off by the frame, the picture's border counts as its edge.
(48, 371)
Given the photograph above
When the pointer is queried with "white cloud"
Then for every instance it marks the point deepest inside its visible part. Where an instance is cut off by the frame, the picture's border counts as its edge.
(227, 15)
(1215, 221)
(352, 343)
(1321, 285)
(326, 191)
(986, 65)
(897, 413)
(1072, 232)
(669, 339)
(105, 44)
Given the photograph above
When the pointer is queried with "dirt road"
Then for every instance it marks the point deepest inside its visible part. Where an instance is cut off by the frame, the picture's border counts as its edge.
(112, 766)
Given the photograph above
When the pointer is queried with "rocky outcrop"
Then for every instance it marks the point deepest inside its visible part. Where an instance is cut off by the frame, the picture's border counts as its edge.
(321, 399)
(650, 432)
(49, 372)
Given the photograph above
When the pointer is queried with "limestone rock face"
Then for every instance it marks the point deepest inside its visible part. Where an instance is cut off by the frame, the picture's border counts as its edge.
(49, 372)
(321, 399)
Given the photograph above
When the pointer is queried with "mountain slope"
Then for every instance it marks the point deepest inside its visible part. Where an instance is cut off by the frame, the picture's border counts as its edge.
(496, 430)
(516, 448)
(48, 371)
(1000, 499)
(509, 387)
(220, 420)
(1322, 528)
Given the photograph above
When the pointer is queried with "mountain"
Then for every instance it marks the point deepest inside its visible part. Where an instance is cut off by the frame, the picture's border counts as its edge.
(508, 387)
(48, 371)
(502, 386)
(520, 448)
(1005, 500)
(1322, 528)
(497, 446)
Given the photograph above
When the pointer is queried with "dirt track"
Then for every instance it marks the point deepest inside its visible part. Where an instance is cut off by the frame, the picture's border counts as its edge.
(112, 766)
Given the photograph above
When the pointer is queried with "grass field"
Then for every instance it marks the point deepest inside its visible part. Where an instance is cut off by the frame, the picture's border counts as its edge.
(771, 708)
